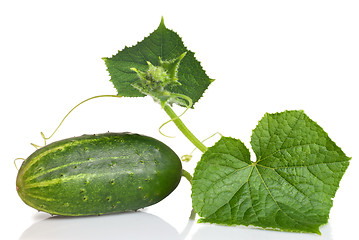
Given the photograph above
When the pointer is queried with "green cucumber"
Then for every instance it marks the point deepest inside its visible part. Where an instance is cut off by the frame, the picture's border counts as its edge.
(98, 174)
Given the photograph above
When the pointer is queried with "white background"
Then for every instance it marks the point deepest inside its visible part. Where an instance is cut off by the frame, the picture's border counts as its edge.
(266, 56)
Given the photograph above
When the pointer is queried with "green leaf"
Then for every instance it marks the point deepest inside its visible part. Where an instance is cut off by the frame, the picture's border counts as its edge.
(290, 187)
(159, 48)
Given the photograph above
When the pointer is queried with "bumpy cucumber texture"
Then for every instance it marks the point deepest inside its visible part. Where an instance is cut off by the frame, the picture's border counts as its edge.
(98, 174)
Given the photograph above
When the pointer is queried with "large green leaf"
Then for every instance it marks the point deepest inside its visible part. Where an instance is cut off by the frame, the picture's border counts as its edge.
(162, 44)
(290, 187)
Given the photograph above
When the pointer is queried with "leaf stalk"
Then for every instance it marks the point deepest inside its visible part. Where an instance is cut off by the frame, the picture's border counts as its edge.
(182, 127)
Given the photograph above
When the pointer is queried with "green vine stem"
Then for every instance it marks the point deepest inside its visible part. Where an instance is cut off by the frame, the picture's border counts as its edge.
(187, 175)
(182, 127)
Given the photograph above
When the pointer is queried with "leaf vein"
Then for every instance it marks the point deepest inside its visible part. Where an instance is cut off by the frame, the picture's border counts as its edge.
(306, 166)
(270, 193)
(291, 147)
(275, 134)
(250, 195)
(235, 192)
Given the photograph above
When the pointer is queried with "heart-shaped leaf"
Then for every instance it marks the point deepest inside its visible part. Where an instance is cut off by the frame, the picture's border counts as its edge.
(290, 187)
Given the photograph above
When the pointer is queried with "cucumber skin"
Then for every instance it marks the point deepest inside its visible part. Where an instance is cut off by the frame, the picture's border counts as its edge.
(98, 174)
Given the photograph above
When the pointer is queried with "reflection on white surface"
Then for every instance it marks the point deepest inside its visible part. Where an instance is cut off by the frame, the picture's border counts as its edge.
(206, 232)
(142, 225)
(136, 225)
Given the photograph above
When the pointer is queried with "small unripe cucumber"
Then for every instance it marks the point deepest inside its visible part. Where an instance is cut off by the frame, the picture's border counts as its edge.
(98, 174)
